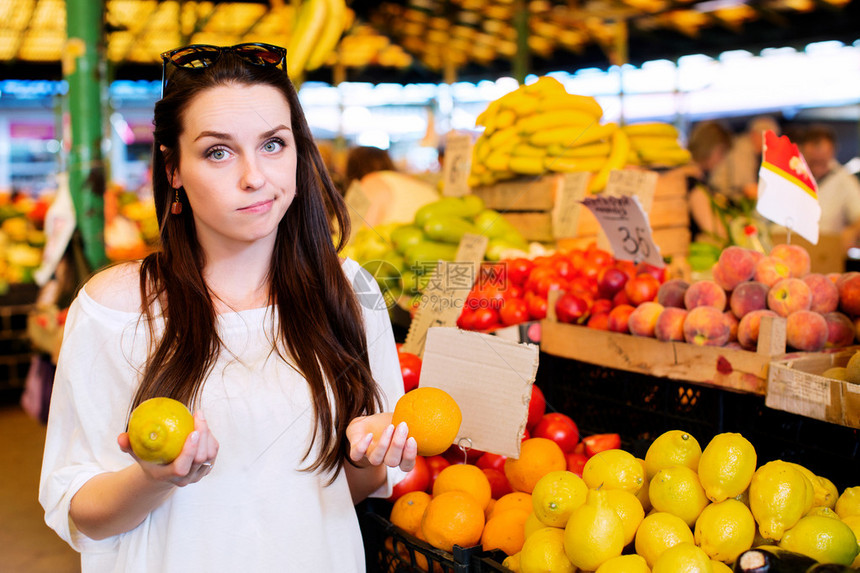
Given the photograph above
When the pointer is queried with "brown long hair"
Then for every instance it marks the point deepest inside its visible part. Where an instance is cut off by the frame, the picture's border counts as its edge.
(320, 321)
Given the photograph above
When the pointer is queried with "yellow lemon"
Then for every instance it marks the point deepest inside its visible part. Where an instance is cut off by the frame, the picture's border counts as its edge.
(726, 466)
(825, 540)
(642, 494)
(613, 469)
(624, 564)
(532, 524)
(157, 429)
(512, 563)
(672, 448)
(849, 502)
(677, 490)
(556, 495)
(629, 510)
(724, 530)
(823, 512)
(853, 521)
(544, 551)
(658, 532)
(683, 558)
(822, 494)
(720, 567)
(778, 498)
(830, 493)
(594, 533)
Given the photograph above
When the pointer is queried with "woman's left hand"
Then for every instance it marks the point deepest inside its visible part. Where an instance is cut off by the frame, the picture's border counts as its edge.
(375, 441)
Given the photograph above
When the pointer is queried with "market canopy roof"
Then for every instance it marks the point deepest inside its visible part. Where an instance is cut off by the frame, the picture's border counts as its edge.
(414, 40)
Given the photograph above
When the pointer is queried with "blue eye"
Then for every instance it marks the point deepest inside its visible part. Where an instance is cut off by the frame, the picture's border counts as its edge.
(273, 145)
(218, 154)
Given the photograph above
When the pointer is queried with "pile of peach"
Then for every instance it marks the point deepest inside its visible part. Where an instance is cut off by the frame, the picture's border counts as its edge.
(820, 310)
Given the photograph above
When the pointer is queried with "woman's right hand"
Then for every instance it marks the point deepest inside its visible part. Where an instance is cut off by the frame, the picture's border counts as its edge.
(194, 462)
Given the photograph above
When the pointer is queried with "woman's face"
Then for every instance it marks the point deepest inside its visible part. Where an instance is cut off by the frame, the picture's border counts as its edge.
(237, 164)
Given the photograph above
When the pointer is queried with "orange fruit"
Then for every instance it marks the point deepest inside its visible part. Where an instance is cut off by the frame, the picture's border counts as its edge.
(466, 478)
(157, 429)
(515, 500)
(505, 531)
(433, 418)
(408, 511)
(538, 457)
(453, 518)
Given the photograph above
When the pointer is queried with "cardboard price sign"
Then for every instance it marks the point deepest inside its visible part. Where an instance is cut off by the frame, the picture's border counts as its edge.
(490, 379)
(626, 227)
(458, 164)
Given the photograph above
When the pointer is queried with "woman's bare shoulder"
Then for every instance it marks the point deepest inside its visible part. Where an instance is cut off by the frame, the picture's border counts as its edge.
(117, 287)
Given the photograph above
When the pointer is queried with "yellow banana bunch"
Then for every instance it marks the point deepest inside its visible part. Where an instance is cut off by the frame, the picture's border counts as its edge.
(319, 26)
(537, 129)
(655, 143)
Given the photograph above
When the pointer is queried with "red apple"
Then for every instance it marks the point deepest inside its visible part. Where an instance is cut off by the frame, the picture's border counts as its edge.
(571, 309)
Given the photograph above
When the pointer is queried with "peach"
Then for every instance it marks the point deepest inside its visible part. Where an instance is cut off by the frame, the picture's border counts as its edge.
(849, 294)
(706, 326)
(842, 277)
(619, 318)
(825, 295)
(733, 322)
(737, 265)
(788, 296)
(834, 277)
(806, 330)
(796, 257)
(747, 297)
(705, 293)
(670, 324)
(770, 270)
(748, 328)
(718, 275)
(671, 292)
(644, 318)
(840, 330)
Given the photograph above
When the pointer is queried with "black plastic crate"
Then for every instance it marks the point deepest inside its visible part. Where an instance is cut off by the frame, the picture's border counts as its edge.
(640, 407)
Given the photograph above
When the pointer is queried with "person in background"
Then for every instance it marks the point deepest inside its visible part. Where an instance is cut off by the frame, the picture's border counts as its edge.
(709, 143)
(247, 315)
(736, 176)
(366, 159)
(838, 189)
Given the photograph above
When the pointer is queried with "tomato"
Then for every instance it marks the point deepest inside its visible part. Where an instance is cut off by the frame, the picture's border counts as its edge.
(416, 480)
(518, 270)
(537, 307)
(539, 274)
(491, 461)
(526, 434)
(599, 442)
(580, 448)
(484, 319)
(410, 369)
(514, 311)
(575, 462)
(435, 464)
(559, 428)
(564, 268)
(514, 291)
(466, 320)
(537, 407)
(499, 484)
(544, 284)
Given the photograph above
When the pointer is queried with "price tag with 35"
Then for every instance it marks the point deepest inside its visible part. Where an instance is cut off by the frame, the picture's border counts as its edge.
(626, 226)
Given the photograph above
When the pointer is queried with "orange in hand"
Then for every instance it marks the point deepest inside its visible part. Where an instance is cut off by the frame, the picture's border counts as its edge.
(157, 429)
(433, 418)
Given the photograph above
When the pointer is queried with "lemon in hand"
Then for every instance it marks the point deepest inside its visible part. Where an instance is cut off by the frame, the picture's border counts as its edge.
(157, 429)
(726, 466)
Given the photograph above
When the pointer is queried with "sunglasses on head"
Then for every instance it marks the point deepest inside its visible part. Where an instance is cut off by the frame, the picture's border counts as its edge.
(199, 56)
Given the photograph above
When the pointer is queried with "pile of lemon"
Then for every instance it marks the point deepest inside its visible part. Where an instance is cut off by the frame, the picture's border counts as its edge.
(684, 509)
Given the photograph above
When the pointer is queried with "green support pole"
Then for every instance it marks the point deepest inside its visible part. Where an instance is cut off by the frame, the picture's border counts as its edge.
(86, 168)
(522, 60)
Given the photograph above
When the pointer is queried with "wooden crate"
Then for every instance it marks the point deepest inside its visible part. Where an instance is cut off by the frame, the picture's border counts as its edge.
(528, 205)
(722, 367)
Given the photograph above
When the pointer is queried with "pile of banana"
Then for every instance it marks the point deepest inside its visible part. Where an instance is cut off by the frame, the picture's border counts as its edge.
(541, 128)
(319, 24)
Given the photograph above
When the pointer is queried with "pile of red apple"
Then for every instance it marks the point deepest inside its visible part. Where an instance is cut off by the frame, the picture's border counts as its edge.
(554, 426)
(594, 284)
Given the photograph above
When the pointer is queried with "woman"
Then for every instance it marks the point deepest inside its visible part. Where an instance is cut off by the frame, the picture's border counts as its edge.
(247, 315)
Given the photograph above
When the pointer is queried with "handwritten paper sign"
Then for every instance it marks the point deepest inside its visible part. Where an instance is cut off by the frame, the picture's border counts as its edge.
(490, 379)
(565, 211)
(458, 164)
(448, 286)
(626, 227)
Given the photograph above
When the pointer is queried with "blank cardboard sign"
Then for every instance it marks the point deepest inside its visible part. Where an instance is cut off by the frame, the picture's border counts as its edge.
(491, 380)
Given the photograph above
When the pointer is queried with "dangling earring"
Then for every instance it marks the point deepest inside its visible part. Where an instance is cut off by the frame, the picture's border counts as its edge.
(176, 206)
